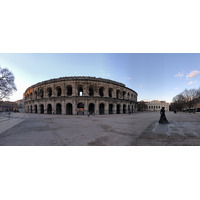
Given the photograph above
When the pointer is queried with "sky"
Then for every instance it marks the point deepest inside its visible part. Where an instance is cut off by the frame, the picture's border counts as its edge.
(152, 76)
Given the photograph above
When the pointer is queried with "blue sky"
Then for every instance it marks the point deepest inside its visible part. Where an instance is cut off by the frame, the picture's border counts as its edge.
(152, 76)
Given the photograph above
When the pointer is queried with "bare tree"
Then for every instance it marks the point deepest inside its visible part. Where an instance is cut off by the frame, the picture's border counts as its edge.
(7, 85)
(190, 97)
(141, 106)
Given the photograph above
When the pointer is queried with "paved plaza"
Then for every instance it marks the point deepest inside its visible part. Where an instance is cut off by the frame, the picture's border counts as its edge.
(139, 129)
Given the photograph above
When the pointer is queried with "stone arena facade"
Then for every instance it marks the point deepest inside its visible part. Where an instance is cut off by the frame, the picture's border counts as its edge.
(79, 96)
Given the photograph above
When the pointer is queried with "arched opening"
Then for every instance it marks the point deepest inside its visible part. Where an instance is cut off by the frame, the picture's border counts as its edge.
(124, 109)
(69, 109)
(35, 108)
(42, 109)
(101, 109)
(59, 91)
(118, 108)
(101, 92)
(69, 90)
(80, 109)
(91, 108)
(80, 91)
(31, 109)
(129, 110)
(31, 95)
(124, 94)
(49, 109)
(28, 109)
(91, 92)
(128, 95)
(131, 96)
(35, 94)
(118, 94)
(41, 93)
(58, 109)
(110, 92)
(111, 109)
(49, 92)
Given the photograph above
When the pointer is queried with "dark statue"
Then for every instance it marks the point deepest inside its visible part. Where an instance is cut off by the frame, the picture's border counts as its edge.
(163, 119)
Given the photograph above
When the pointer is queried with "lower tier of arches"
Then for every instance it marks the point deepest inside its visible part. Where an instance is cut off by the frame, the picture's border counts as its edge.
(81, 108)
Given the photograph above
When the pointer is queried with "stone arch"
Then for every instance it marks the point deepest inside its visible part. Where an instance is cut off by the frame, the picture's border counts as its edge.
(58, 109)
(42, 108)
(35, 109)
(69, 109)
(80, 90)
(128, 95)
(101, 109)
(91, 108)
(118, 94)
(49, 109)
(124, 109)
(31, 109)
(58, 91)
(110, 92)
(124, 94)
(69, 90)
(110, 109)
(118, 108)
(31, 95)
(131, 96)
(129, 109)
(80, 108)
(101, 91)
(49, 92)
(91, 91)
(35, 94)
(41, 93)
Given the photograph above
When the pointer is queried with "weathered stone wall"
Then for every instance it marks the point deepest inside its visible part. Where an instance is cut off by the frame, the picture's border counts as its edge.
(37, 99)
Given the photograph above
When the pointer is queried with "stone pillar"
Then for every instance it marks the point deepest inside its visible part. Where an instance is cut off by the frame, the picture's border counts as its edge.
(106, 111)
(114, 108)
(74, 107)
(97, 108)
(86, 107)
(121, 109)
(54, 107)
(45, 107)
(63, 108)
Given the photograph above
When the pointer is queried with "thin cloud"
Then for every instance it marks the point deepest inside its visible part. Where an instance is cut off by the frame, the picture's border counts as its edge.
(190, 83)
(179, 75)
(128, 78)
(192, 74)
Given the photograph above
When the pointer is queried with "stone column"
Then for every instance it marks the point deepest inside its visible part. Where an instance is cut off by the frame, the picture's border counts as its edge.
(86, 107)
(63, 108)
(45, 107)
(74, 107)
(54, 107)
(97, 108)
(114, 108)
(106, 111)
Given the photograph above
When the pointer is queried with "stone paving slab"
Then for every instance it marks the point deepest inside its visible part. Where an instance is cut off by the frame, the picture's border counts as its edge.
(139, 129)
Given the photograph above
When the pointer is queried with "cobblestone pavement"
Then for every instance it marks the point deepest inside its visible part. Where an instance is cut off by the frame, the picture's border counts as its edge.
(139, 129)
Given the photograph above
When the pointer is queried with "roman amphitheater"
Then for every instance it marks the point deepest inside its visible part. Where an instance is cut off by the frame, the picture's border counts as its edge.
(79, 96)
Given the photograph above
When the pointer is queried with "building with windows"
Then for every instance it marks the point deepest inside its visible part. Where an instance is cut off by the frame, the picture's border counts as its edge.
(156, 105)
(80, 95)
(7, 106)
